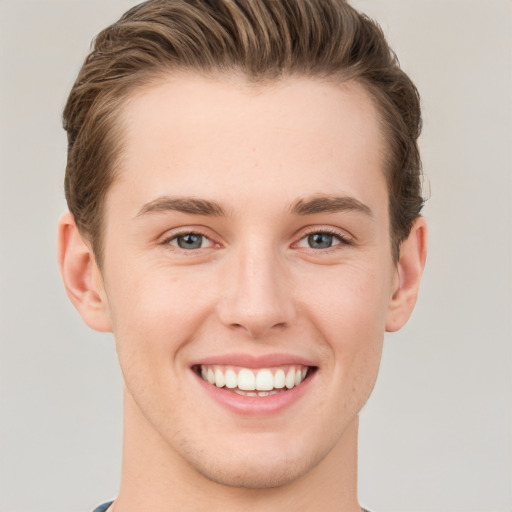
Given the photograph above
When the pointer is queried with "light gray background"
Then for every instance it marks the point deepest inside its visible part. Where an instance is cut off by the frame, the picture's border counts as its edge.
(436, 435)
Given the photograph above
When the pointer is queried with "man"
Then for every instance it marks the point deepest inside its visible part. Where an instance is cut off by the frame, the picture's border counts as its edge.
(243, 186)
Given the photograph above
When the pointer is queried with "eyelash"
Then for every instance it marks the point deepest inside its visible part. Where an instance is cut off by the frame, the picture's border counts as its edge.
(342, 239)
(175, 236)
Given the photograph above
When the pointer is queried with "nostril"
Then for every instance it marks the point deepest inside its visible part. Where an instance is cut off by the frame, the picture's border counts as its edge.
(257, 329)
(256, 303)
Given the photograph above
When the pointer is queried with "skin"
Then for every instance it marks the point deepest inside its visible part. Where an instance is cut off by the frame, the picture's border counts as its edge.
(256, 286)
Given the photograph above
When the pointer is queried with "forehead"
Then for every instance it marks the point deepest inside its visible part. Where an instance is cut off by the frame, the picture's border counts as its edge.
(191, 134)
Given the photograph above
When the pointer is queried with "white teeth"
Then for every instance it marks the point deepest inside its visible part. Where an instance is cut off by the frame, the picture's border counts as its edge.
(231, 379)
(279, 379)
(246, 380)
(219, 379)
(259, 393)
(290, 378)
(262, 382)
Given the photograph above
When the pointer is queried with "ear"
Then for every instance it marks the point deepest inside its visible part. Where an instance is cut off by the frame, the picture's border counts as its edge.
(413, 253)
(82, 277)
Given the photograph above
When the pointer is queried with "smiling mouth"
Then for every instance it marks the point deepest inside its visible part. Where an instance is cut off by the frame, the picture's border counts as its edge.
(254, 382)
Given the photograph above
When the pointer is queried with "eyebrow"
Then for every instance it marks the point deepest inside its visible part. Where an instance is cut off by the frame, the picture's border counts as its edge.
(190, 205)
(329, 204)
(302, 207)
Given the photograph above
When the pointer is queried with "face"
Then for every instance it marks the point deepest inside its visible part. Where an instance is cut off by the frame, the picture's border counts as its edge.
(248, 271)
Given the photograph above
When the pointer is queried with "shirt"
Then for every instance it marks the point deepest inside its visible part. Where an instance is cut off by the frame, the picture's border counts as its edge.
(104, 507)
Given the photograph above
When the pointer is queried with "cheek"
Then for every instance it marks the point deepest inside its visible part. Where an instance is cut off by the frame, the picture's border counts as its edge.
(349, 311)
(349, 302)
(154, 312)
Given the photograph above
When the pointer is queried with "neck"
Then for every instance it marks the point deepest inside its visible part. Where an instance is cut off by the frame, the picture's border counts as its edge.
(154, 478)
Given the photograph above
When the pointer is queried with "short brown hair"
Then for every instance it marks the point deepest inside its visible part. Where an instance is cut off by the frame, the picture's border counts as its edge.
(262, 39)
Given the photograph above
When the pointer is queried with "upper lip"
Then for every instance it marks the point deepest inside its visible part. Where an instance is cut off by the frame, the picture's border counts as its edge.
(253, 361)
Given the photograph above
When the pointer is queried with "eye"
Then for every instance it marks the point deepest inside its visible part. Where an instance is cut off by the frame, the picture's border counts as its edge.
(190, 241)
(322, 240)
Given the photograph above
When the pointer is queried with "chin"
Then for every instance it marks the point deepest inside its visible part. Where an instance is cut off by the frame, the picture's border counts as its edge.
(275, 466)
(249, 475)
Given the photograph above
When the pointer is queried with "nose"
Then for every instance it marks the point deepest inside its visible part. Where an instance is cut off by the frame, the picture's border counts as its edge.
(256, 295)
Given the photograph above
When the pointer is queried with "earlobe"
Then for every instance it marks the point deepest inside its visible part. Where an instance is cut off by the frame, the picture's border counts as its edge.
(81, 276)
(413, 253)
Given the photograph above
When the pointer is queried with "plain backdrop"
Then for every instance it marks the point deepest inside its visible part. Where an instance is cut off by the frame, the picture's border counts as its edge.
(436, 436)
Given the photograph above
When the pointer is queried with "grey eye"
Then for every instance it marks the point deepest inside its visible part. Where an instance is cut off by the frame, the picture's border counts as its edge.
(190, 241)
(320, 240)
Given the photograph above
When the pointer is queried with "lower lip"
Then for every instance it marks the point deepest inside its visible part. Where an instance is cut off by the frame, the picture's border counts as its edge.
(255, 405)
